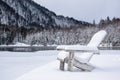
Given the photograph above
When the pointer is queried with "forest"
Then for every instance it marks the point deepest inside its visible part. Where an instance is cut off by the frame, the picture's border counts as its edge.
(58, 36)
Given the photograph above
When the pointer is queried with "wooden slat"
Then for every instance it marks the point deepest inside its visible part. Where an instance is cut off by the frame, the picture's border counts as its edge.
(83, 66)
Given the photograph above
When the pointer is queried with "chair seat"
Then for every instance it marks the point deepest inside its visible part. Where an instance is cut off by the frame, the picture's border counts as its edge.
(82, 57)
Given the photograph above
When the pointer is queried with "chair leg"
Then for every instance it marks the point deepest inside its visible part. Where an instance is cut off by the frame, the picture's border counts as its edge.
(62, 64)
(70, 61)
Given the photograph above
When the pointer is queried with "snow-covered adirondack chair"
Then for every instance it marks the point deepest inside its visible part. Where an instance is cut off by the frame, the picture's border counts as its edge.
(78, 55)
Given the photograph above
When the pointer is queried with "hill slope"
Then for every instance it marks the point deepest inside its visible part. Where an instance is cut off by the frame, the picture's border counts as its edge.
(28, 13)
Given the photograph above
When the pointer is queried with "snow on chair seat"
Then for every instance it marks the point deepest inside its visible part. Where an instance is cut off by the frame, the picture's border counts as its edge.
(82, 48)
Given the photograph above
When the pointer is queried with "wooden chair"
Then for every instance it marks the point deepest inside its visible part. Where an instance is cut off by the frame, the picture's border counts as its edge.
(79, 56)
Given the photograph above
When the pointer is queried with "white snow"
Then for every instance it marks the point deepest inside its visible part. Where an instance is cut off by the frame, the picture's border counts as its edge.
(42, 65)
(107, 68)
(97, 38)
(62, 47)
(84, 57)
(15, 64)
(82, 48)
(16, 44)
(19, 44)
(62, 55)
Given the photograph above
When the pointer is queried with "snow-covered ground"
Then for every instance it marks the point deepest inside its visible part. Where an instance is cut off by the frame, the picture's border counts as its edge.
(42, 65)
(15, 64)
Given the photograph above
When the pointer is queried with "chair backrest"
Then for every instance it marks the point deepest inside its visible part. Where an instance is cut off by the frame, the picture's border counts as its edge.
(97, 38)
(94, 42)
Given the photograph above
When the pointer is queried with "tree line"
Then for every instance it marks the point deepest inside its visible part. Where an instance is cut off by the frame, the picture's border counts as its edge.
(58, 36)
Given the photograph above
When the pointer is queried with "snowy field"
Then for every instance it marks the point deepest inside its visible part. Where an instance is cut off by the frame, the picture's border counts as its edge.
(15, 64)
(42, 65)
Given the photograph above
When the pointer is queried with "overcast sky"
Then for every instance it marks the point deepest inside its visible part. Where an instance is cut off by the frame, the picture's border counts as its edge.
(87, 10)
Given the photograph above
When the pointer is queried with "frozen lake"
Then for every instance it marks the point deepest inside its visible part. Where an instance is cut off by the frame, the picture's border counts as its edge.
(41, 48)
(26, 48)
